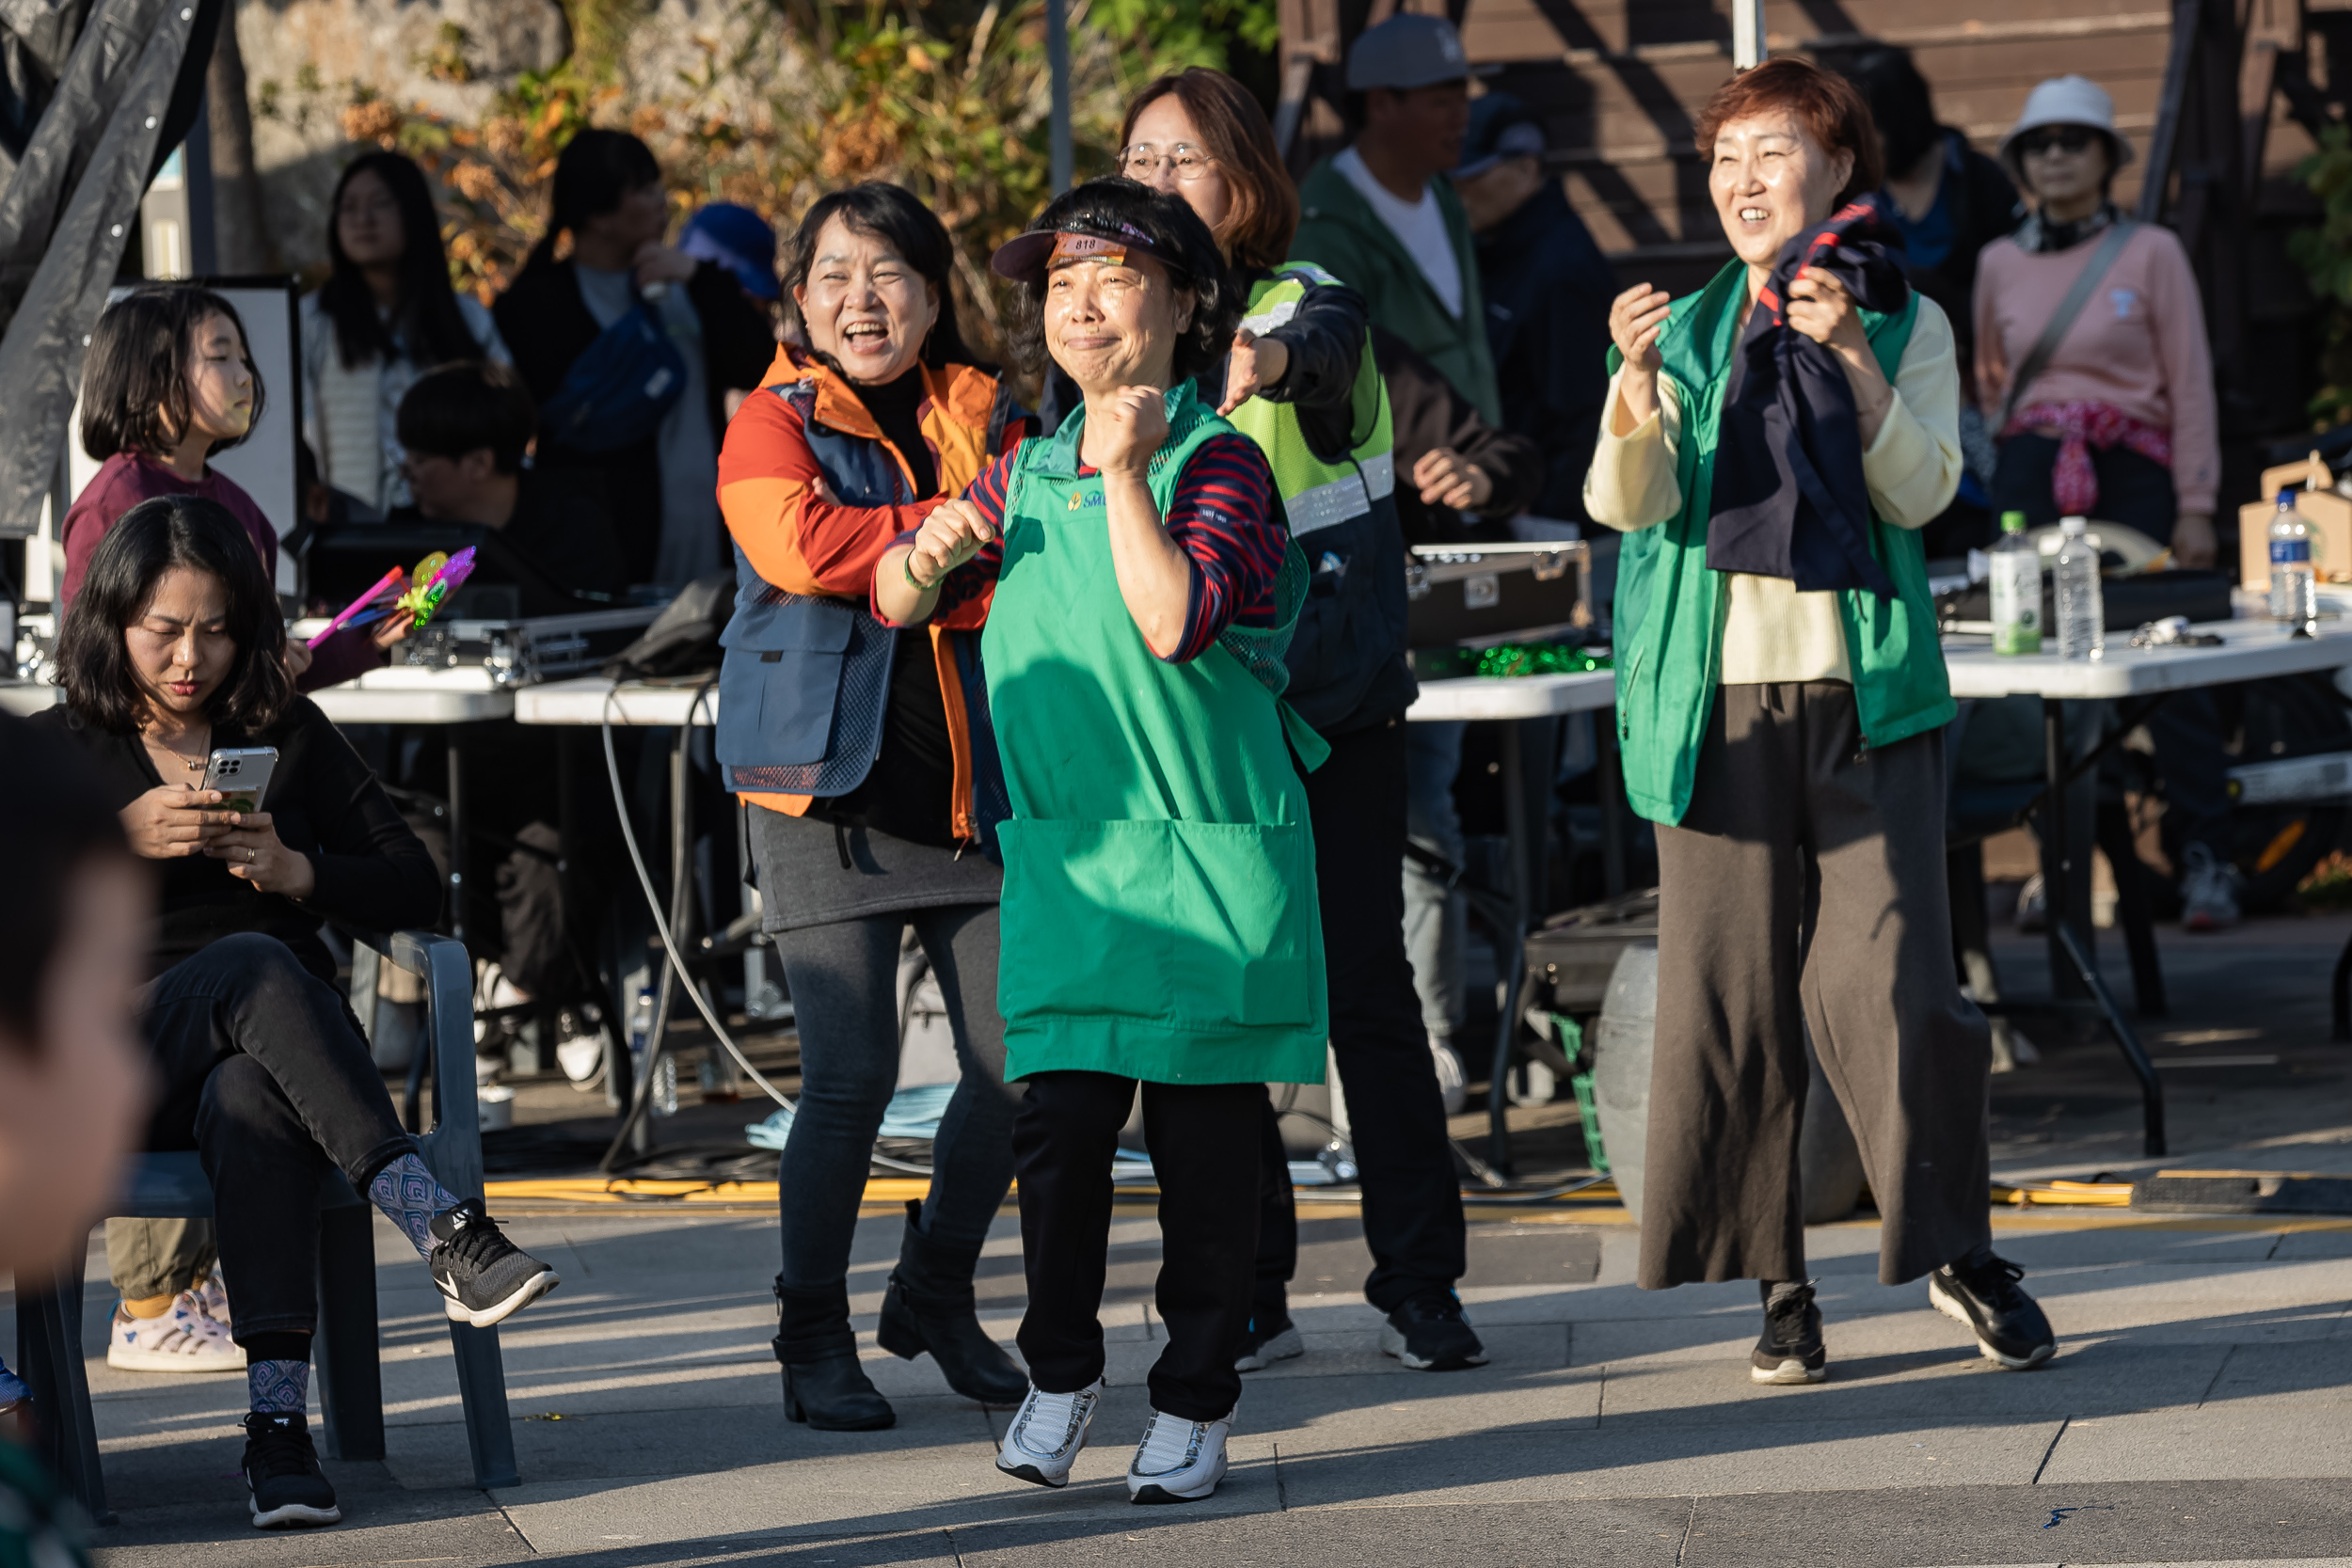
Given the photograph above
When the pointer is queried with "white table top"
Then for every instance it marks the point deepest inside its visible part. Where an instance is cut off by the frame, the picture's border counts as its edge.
(590, 699)
(1513, 696)
(358, 703)
(2250, 650)
(26, 698)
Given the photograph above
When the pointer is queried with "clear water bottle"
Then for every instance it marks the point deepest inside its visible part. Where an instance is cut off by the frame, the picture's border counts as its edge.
(666, 1085)
(639, 1033)
(2082, 622)
(2294, 584)
(2016, 589)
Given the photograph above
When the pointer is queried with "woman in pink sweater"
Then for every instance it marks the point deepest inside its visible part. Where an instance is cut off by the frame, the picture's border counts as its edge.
(2119, 424)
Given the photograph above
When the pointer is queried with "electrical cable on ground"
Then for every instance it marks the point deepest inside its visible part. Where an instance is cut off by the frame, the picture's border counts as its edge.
(669, 945)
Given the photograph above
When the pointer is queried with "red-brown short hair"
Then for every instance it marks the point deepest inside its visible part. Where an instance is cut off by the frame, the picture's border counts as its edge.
(1257, 228)
(1823, 102)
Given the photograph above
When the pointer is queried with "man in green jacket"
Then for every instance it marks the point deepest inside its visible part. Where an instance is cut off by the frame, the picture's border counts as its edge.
(1381, 215)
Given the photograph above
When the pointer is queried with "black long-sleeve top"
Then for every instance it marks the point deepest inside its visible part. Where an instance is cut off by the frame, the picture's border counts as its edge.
(324, 803)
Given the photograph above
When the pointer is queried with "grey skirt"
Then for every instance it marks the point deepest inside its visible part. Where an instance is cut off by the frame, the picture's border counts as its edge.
(803, 881)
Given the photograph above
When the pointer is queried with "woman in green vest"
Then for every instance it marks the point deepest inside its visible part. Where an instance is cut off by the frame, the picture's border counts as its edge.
(1302, 381)
(1158, 917)
(1788, 747)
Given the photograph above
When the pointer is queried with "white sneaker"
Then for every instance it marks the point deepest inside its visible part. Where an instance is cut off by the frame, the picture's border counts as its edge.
(1452, 1083)
(183, 1340)
(1047, 1434)
(211, 1299)
(2208, 890)
(1178, 1461)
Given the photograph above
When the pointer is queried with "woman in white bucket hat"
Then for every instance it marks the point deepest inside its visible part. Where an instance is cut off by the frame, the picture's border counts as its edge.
(2113, 416)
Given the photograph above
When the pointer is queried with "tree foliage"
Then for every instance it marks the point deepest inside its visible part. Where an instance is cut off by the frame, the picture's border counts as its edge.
(950, 99)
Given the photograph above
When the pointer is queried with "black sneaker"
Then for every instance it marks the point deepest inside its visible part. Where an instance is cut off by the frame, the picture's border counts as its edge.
(1268, 1341)
(1430, 1334)
(486, 1277)
(1982, 1292)
(281, 1471)
(1790, 1350)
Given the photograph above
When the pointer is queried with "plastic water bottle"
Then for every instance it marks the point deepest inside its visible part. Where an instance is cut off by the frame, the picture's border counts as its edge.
(666, 1085)
(639, 1033)
(2016, 589)
(2082, 622)
(2294, 585)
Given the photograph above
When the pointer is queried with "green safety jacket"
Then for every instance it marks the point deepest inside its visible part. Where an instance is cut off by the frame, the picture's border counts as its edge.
(1347, 659)
(1670, 606)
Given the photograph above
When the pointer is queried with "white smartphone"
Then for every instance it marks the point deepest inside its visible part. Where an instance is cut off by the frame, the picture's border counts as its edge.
(242, 776)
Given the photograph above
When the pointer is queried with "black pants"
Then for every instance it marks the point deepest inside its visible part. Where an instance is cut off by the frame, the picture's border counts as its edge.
(843, 977)
(1205, 1151)
(1396, 1117)
(264, 1073)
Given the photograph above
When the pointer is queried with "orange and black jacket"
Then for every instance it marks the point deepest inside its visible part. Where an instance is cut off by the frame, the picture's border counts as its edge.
(813, 493)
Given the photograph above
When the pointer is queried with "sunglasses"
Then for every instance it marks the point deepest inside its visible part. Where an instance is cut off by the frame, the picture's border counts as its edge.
(2059, 138)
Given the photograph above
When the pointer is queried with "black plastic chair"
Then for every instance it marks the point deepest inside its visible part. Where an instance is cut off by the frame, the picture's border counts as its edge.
(345, 1351)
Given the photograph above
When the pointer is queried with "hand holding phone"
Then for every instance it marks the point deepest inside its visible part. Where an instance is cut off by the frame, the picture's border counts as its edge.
(241, 775)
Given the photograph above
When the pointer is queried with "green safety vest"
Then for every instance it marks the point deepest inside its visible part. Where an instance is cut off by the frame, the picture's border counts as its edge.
(1316, 494)
(1159, 910)
(1669, 631)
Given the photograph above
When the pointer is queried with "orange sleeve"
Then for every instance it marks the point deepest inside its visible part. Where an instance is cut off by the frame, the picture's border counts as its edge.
(769, 493)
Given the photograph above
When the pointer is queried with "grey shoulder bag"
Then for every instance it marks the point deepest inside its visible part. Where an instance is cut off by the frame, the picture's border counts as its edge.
(2038, 358)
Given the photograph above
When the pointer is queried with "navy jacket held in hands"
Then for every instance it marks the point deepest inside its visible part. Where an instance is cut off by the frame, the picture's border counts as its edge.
(1788, 498)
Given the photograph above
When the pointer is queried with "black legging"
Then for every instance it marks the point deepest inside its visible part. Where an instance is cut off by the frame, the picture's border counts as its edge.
(843, 978)
(262, 1071)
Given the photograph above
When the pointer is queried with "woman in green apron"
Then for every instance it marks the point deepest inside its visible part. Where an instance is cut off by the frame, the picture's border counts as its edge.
(1159, 917)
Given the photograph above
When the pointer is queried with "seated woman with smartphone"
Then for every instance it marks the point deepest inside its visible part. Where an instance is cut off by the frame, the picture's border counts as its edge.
(263, 824)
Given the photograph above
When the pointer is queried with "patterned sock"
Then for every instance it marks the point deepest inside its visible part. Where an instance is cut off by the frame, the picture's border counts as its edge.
(409, 1197)
(278, 1387)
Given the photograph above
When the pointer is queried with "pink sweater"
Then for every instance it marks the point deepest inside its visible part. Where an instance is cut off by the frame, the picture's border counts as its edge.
(2138, 344)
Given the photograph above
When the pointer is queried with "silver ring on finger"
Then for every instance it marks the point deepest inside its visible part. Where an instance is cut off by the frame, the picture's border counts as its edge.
(252, 855)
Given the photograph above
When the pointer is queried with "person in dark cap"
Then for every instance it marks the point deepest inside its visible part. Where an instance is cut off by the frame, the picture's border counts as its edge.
(738, 240)
(1381, 214)
(1548, 290)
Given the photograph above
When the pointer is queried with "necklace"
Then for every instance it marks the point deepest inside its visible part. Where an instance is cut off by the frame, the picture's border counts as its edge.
(193, 764)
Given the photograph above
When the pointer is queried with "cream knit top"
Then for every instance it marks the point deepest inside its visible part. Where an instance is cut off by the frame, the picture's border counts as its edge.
(1770, 632)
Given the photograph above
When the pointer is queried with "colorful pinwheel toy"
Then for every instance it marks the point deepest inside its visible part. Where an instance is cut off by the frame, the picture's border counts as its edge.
(437, 577)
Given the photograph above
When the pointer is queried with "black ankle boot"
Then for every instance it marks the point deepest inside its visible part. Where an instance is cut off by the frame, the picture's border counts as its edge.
(929, 1307)
(823, 1384)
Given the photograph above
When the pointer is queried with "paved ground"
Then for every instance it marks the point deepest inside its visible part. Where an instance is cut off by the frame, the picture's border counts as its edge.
(2197, 1414)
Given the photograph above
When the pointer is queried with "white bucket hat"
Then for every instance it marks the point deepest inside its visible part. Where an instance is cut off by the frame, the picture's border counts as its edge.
(2067, 100)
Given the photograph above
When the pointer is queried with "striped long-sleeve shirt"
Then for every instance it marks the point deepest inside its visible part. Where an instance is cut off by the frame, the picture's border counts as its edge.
(1221, 516)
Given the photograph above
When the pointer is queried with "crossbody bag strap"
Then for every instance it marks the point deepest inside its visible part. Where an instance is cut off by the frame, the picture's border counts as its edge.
(2038, 358)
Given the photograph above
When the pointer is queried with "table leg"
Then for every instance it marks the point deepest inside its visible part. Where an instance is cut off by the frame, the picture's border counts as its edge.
(1609, 780)
(2073, 969)
(452, 739)
(1511, 949)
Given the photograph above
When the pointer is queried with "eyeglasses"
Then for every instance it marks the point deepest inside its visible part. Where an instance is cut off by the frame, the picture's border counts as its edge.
(2056, 138)
(1142, 161)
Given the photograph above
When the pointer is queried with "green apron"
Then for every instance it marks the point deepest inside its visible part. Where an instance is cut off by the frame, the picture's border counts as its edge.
(1159, 904)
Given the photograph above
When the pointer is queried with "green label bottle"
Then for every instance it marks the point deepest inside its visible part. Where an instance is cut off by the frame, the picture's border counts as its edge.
(2016, 589)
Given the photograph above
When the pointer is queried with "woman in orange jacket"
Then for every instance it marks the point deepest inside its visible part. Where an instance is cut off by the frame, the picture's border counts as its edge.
(865, 760)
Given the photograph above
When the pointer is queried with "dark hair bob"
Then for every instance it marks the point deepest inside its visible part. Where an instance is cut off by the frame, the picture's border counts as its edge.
(1108, 206)
(145, 543)
(134, 384)
(897, 218)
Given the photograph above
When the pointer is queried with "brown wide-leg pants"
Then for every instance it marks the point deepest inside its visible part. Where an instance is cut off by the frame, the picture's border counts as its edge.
(1808, 874)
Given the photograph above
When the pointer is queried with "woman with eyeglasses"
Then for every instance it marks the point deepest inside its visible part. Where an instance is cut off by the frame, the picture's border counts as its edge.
(1301, 381)
(2113, 417)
